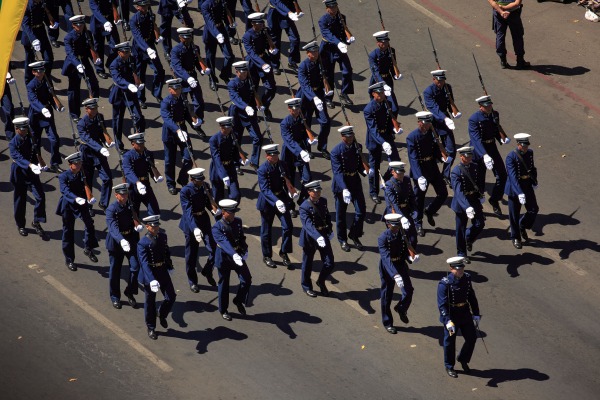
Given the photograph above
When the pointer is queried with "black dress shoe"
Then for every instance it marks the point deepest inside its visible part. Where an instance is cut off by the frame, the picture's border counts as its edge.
(344, 245)
(90, 255)
(391, 330)
(324, 290)
(152, 334)
(131, 300)
(92, 213)
(517, 244)
(496, 207)
(172, 191)
(326, 154)
(209, 278)
(126, 26)
(469, 246)
(268, 114)
(103, 207)
(143, 105)
(293, 213)
(239, 171)
(310, 293)
(430, 219)
(522, 64)
(465, 367)
(253, 166)
(376, 199)
(402, 314)
(163, 322)
(357, 242)
(71, 265)
(38, 229)
(213, 85)
(195, 288)
(285, 258)
(311, 155)
(293, 66)
(56, 169)
(467, 260)
(329, 104)
(503, 63)
(346, 100)
(234, 41)
(447, 181)
(122, 151)
(276, 71)
(524, 235)
(54, 44)
(226, 316)
(159, 99)
(420, 231)
(200, 132)
(451, 372)
(23, 232)
(117, 304)
(240, 306)
(269, 262)
(103, 75)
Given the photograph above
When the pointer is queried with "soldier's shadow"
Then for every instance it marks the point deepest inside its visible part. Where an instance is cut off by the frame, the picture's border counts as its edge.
(365, 298)
(566, 247)
(273, 289)
(283, 321)
(512, 261)
(435, 332)
(551, 69)
(198, 307)
(438, 275)
(554, 219)
(497, 376)
(349, 267)
(207, 336)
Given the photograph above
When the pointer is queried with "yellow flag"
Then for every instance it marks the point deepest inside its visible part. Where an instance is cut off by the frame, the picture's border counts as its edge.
(11, 15)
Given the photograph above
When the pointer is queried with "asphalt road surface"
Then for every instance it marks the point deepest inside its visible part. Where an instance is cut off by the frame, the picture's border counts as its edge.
(62, 339)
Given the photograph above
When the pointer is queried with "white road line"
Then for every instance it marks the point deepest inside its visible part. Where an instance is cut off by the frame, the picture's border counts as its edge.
(137, 346)
(428, 13)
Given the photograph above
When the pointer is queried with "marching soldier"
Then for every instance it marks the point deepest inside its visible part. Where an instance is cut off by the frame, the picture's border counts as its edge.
(242, 95)
(185, 60)
(195, 224)
(347, 167)
(53, 6)
(459, 309)
(507, 14)
(281, 17)
(167, 9)
(394, 270)
(400, 199)
(334, 48)
(77, 50)
(316, 234)
(155, 261)
(34, 37)
(273, 199)
(121, 241)
(232, 251)
(423, 153)
(520, 189)
(382, 61)
(225, 157)
(123, 93)
(247, 9)
(312, 92)
(41, 113)
(104, 29)
(215, 33)
(466, 203)
(137, 164)
(484, 130)
(380, 136)
(437, 100)
(73, 204)
(174, 114)
(295, 152)
(257, 44)
(93, 153)
(24, 175)
(145, 39)
(7, 109)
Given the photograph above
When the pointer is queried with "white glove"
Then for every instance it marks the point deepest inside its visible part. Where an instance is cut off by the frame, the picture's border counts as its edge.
(217, 213)
(245, 256)
(192, 82)
(154, 285)
(318, 103)
(244, 163)
(414, 215)
(293, 16)
(398, 77)
(220, 38)
(125, 245)
(151, 53)
(505, 140)
(294, 196)
(238, 259)
(273, 51)
(305, 156)
(141, 188)
(457, 115)
(449, 124)
(9, 78)
(46, 112)
(108, 26)
(139, 227)
(300, 14)
(343, 48)
(141, 86)
(399, 281)
(311, 142)
(522, 198)
(80, 68)
(198, 234)
(207, 71)
(111, 144)
(347, 196)
(470, 212)
(387, 90)
(35, 169)
(157, 41)
(249, 111)
(132, 88)
(54, 25)
(181, 3)
(226, 182)
(328, 94)
(405, 222)
(399, 131)
(98, 61)
(387, 149)
(451, 328)
(351, 39)
(476, 319)
(488, 161)
(321, 241)
(104, 152)
(92, 200)
(80, 201)
(266, 68)
(262, 108)
(182, 135)
(448, 160)
(36, 45)
(414, 259)
(280, 206)
(422, 183)
(159, 179)
(371, 172)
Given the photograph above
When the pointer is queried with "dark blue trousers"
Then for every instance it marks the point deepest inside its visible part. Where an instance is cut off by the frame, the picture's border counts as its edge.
(360, 210)
(375, 163)
(330, 54)
(387, 293)
(114, 275)
(126, 100)
(307, 262)
(168, 291)
(516, 31)
(68, 231)
(441, 194)
(525, 221)
(466, 235)
(28, 181)
(170, 148)
(467, 329)
(105, 175)
(191, 254)
(309, 109)
(266, 227)
(245, 278)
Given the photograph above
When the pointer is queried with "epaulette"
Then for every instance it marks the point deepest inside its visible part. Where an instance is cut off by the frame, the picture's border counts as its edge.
(445, 280)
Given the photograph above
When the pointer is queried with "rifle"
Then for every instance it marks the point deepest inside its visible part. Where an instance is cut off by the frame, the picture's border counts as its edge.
(297, 7)
(312, 137)
(88, 35)
(395, 122)
(343, 19)
(288, 183)
(107, 139)
(20, 100)
(436, 136)
(77, 142)
(500, 129)
(123, 22)
(87, 79)
(256, 6)
(449, 96)
(154, 26)
(261, 108)
(392, 52)
(51, 19)
(313, 23)
(57, 104)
